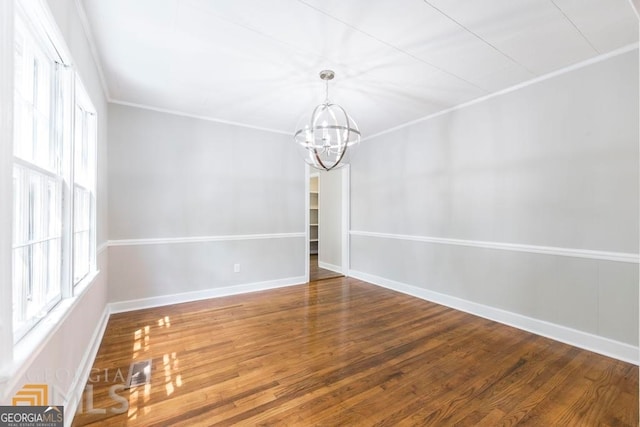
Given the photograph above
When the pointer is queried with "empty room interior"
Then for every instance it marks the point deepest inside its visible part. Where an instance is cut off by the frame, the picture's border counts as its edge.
(320, 212)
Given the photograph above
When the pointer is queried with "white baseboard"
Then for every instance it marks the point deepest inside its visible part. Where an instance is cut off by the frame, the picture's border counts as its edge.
(82, 376)
(585, 340)
(327, 266)
(138, 304)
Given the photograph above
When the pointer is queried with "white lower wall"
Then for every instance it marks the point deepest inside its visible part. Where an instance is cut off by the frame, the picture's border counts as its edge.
(152, 271)
(595, 296)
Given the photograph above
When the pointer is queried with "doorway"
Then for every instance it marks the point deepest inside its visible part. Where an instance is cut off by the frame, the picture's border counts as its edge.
(327, 223)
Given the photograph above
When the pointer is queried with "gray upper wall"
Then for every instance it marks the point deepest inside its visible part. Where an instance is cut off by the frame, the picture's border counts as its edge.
(175, 176)
(551, 164)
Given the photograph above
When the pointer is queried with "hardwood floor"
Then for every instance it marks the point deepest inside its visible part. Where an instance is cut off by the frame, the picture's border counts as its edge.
(317, 273)
(344, 352)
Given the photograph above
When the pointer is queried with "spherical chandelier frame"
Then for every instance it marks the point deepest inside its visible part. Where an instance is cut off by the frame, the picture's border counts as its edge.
(328, 134)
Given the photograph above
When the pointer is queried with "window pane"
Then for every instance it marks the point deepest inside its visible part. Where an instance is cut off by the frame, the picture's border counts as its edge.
(84, 186)
(54, 264)
(79, 143)
(20, 281)
(43, 84)
(82, 233)
(34, 207)
(23, 130)
(34, 83)
(84, 148)
(36, 281)
(43, 143)
(54, 226)
(23, 60)
(37, 256)
(19, 57)
(19, 228)
(81, 256)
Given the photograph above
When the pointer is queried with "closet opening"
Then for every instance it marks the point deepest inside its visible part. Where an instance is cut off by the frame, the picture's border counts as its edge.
(327, 223)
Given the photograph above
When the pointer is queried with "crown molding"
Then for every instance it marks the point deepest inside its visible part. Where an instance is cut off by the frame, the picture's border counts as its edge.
(195, 116)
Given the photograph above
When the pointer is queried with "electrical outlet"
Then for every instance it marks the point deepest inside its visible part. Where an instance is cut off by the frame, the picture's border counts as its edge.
(236, 268)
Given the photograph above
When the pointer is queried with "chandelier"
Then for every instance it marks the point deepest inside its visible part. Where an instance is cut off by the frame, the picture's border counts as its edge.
(328, 134)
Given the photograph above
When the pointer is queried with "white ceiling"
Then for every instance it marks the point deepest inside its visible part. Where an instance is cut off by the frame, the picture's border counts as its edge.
(256, 62)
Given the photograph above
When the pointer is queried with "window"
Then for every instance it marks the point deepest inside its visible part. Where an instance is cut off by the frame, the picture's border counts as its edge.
(53, 176)
(37, 183)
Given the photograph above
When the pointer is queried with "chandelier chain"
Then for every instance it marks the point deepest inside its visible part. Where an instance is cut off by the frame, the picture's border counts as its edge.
(326, 91)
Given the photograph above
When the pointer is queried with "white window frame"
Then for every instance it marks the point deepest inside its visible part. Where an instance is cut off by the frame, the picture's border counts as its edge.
(38, 179)
(7, 53)
(70, 93)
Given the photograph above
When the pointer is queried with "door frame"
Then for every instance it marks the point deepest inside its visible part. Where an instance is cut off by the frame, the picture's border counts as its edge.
(345, 173)
(346, 215)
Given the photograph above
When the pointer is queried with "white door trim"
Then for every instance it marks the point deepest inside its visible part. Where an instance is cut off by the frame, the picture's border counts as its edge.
(345, 174)
(346, 206)
(307, 197)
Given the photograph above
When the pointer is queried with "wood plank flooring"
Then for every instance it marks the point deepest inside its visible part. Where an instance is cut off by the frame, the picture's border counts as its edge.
(317, 273)
(344, 352)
